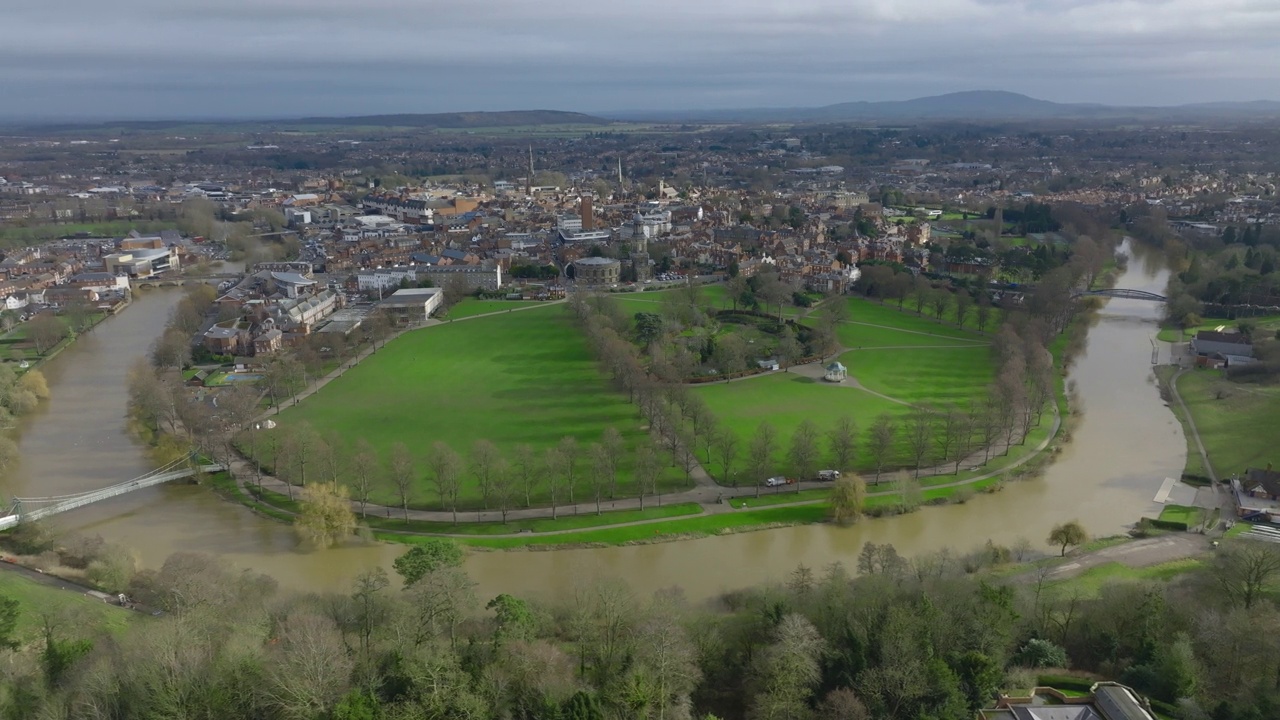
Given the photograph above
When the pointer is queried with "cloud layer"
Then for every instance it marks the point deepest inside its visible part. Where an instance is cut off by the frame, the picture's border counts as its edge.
(279, 58)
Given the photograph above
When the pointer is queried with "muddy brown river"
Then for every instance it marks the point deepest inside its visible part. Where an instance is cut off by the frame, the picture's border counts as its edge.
(1126, 442)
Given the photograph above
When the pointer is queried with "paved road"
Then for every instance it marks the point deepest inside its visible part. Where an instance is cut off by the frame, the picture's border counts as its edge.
(1138, 553)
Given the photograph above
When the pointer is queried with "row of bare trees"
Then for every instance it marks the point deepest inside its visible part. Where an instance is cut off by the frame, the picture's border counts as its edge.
(566, 472)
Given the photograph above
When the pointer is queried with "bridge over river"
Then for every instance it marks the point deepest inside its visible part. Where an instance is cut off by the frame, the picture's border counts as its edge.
(37, 508)
(1121, 293)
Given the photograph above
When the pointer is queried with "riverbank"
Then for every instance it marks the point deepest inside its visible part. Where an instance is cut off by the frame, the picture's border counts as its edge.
(1222, 421)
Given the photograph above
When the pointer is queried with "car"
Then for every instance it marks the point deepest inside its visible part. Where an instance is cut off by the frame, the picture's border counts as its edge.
(775, 481)
(829, 475)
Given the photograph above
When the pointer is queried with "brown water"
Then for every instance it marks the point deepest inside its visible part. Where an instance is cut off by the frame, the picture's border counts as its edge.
(1125, 444)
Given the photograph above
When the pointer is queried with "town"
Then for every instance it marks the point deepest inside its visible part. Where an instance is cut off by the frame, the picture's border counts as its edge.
(617, 336)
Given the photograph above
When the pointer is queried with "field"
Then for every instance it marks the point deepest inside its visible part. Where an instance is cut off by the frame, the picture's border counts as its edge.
(1234, 429)
(36, 598)
(785, 400)
(1268, 324)
(524, 377)
(472, 307)
(926, 376)
(873, 313)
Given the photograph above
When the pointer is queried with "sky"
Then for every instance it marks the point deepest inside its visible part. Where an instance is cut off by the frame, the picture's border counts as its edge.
(148, 59)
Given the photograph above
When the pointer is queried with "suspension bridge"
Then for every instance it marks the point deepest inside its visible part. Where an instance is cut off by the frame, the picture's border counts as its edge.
(1121, 293)
(37, 508)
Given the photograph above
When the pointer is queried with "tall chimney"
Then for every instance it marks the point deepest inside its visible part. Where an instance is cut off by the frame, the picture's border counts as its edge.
(588, 219)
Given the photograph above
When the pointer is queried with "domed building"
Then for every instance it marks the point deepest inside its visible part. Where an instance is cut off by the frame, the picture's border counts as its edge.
(596, 271)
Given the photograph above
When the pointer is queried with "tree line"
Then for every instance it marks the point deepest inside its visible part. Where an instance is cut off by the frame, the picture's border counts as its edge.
(935, 636)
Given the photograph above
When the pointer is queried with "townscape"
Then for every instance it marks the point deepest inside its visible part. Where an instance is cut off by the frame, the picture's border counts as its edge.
(545, 415)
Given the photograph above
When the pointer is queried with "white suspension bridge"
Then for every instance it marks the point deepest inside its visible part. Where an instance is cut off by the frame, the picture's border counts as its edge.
(37, 508)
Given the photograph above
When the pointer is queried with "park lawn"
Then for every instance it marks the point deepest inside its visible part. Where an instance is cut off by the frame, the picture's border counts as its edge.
(866, 311)
(700, 525)
(470, 307)
(1265, 325)
(515, 378)
(785, 400)
(860, 336)
(938, 376)
(1234, 429)
(1184, 514)
(1089, 583)
(36, 598)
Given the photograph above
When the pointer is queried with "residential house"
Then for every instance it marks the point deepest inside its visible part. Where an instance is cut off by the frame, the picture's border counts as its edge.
(1209, 342)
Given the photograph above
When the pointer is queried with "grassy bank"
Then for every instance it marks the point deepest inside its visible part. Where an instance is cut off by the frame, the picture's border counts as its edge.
(37, 598)
(1229, 417)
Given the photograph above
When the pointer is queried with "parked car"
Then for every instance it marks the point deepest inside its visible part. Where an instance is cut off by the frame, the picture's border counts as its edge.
(829, 475)
(776, 481)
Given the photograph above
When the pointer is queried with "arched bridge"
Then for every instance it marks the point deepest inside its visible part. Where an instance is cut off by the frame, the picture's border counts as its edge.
(1121, 293)
(37, 508)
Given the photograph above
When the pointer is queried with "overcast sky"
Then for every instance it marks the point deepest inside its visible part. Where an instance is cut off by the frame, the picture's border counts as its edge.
(288, 58)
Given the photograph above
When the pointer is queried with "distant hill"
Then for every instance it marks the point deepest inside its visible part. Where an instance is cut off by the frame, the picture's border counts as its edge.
(969, 105)
(457, 120)
(510, 118)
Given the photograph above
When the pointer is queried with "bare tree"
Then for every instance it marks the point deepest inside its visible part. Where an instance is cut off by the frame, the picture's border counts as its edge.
(919, 435)
(527, 471)
(964, 303)
(613, 445)
(982, 315)
(484, 461)
(842, 442)
(988, 421)
(946, 436)
(1243, 569)
(880, 445)
(503, 485)
(648, 466)
(568, 448)
(803, 452)
(557, 464)
(364, 469)
(45, 330)
(939, 301)
(400, 469)
(446, 473)
(599, 460)
(726, 445)
(763, 445)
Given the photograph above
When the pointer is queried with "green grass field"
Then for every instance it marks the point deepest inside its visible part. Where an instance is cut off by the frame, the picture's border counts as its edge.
(930, 376)
(866, 311)
(1185, 514)
(471, 307)
(1232, 428)
(1089, 583)
(514, 378)
(36, 598)
(1267, 325)
(785, 400)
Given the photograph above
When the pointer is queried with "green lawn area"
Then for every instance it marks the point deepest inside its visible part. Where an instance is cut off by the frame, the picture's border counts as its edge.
(867, 311)
(785, 400)
(701, 525)
(1187, 515)
(857, 336)
(471, 306)
(35, 598)
(1268, 324)
(937, 376)
(514, 378)
(1232, 428)
(1090, 582)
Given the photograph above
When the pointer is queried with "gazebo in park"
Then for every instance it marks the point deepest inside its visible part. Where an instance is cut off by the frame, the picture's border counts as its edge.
(836, 372)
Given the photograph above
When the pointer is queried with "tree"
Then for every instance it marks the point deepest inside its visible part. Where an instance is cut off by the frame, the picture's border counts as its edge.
(946, 434)
(730, 355)
(647, 468)
(848, 497)
(8, 623)
(880, 445)
(427, 557)
(804, 453)
(311, 669)
(45, 330)
(1243, 569)
(760, 452)
(528, 472)
(842, 442)
(939, 301)
(282, 375)
(599, 463)
(964, 303)
(726, 448)
(1067, 534)
(171, 350)
(982, 315)
(364, 471)
(787, 670)
(446, 474)
(568, 448)
(1039, 653)
(908, 492)
(78, 312)
(503, 484)
(789, 348)
(400, 469)
(326, 518)
(920, 433)
(485, 460)
(613, 445)
(513, 619)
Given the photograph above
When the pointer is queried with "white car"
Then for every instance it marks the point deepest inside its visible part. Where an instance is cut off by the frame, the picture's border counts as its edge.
(775, 481)
(829, 475)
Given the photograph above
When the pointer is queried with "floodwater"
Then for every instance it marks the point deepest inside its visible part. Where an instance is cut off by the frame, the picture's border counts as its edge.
(1124, 445)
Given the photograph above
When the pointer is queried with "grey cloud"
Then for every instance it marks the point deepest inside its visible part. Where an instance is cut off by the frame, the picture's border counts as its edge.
(290, 57)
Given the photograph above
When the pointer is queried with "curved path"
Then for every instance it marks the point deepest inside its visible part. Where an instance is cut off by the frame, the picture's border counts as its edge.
(1191, 423)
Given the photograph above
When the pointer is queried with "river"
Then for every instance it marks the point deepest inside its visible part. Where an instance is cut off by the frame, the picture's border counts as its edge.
(1124, 445)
